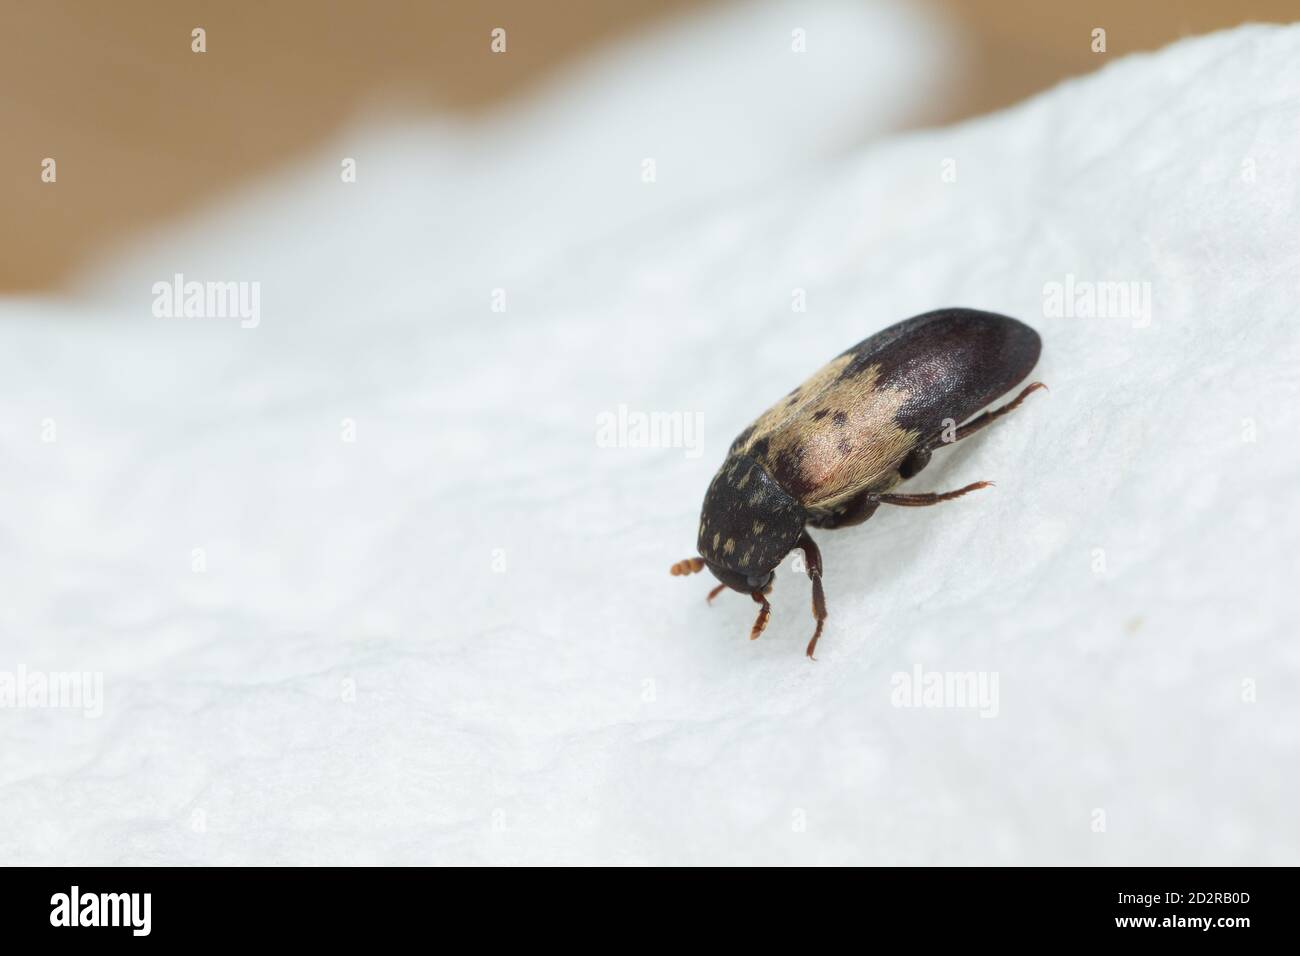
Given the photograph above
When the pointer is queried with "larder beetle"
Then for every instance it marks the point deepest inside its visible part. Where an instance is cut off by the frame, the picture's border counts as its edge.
(828, 453)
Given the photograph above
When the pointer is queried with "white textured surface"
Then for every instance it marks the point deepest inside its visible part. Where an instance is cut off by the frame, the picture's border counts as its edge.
(583, 706)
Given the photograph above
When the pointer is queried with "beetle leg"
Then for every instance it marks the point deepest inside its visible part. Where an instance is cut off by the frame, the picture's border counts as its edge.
(975, 424)
(714, 593)
(813, 560)
(854, 511)
(929, 498)
(917, 459)
(763, 613)
(689, 566)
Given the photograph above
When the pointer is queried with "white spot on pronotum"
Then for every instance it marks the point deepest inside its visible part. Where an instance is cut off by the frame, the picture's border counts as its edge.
(1098, 820)
(648, 172)
(348, 172)
(348, 430)
(1098, 561)
(199, 40)
(199, 560)
(49, 170)
(948, 170)
(798, 300)
(798, 40)
(498, 42)
(1098, 40)
(1248, 690)
(498, 300)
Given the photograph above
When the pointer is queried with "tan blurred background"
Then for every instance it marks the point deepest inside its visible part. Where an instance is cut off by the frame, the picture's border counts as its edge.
(143, 130)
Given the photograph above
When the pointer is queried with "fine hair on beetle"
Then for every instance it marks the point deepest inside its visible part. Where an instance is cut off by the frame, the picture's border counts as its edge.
(831, 451)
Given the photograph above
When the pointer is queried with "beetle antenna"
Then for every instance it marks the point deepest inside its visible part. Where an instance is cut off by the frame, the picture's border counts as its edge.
(689, 566)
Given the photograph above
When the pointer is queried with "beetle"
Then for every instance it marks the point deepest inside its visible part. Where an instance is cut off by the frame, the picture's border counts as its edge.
(829, 452)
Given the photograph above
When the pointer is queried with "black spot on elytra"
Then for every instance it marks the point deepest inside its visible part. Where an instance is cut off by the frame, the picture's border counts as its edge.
(840, 418)
(789, 473)
(760, 448)
(818, 416)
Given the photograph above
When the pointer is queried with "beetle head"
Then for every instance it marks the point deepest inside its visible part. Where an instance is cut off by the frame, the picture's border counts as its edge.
(744, 583)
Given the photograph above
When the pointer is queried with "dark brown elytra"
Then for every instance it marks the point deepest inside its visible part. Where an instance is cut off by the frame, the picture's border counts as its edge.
(828, 453)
